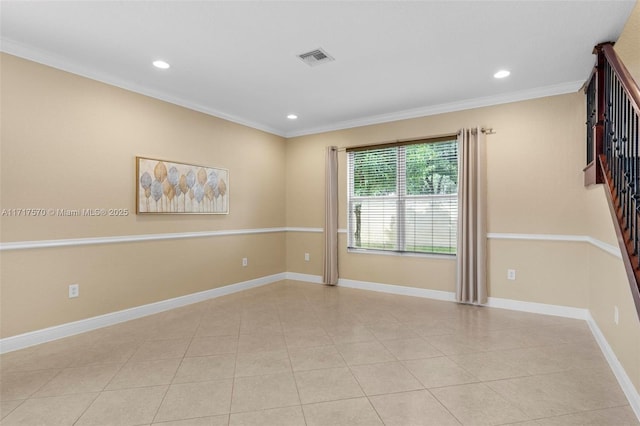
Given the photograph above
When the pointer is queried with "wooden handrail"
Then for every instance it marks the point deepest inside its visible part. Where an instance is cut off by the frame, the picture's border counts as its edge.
(626, 79)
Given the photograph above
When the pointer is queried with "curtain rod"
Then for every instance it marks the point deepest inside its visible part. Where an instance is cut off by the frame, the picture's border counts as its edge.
(485, 130)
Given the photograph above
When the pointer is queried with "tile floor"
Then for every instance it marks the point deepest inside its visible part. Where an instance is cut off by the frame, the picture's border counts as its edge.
(301, 354)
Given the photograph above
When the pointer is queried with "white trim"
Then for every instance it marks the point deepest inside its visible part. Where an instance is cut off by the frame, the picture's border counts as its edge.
(37, 55)
(611, 249)
(618, 370)
(46, 58)
(22, 245)
(538, 308)
(294, 276)
(303, 229)
(398, 289)
(523, 95)
(13, 343)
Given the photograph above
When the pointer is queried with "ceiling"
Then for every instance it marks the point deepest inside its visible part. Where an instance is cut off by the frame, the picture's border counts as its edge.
(393, 59)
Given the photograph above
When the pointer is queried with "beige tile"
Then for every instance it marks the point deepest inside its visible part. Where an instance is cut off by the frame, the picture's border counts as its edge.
(562, 393)
(391, 331)
(619, 416)
(434, 327)
(346, 412)
(213, 345)
(7, 407)
(161, 349)
(218, 328)
(23, 384)
(37, 358)
(200, 421)
(350, 334)
(178, 329)
(106, 353)
(261, 342)
(307, 337)
(262, 363)
(364, 353)
(386, 377)
(571, 356)
(257, 392)
(437, 372)
(288, 416)
(315, 358)
(454, 344)
(124, 407)
(327, 385)
(145, 373)
(414, 348)
(489, 365)
(205, 368)
(59, 410)
(416, 408)
(189, 400)
(477, 404)
(79, 380)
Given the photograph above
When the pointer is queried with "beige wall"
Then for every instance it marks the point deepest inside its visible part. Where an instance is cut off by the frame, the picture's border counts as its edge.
(535, 186)
(70, 142)
(628, 45)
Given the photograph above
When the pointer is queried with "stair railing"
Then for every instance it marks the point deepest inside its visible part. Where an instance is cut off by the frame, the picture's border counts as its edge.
(613, 152)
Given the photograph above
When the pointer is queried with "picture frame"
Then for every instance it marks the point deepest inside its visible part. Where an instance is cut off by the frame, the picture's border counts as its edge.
(172, 187)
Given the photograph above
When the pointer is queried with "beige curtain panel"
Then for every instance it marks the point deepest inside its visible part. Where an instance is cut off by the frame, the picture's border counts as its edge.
(471, 279)
(330, 273)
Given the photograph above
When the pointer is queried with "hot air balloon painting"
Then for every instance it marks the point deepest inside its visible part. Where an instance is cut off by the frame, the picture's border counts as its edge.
(168, 187)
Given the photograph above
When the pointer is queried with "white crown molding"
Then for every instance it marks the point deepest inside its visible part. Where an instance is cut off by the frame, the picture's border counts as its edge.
(36, 55)
(25, 340)
(23, 245)
(523, 95)
(618, 370)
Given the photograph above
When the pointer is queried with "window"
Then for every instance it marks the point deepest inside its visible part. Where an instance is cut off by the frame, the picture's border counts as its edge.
(404, 198)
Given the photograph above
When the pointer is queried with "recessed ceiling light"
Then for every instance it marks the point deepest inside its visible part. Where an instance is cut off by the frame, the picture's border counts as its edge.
(502, 74)
(292, 117)
(161, 64)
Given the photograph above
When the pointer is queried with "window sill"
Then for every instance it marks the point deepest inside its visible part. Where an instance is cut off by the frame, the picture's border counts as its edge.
(402, 254)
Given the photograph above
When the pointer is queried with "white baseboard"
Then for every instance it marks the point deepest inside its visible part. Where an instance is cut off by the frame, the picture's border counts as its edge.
(25, 340)
(398, 289)
(538, 308)
(294, 276)
(618, 370)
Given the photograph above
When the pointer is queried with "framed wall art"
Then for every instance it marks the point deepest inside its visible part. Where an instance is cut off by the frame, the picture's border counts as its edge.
(169, 187)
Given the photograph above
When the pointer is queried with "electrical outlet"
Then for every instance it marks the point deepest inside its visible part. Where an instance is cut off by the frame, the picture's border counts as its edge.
(74, 291)
(306, 257)
(616, 315)
(511, 274)
(245, 261)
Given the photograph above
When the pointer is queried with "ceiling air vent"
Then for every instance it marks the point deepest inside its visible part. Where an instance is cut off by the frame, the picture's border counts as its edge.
(315, 57)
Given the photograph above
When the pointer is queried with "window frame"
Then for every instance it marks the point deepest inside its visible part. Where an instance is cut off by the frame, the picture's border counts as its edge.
(400, 199)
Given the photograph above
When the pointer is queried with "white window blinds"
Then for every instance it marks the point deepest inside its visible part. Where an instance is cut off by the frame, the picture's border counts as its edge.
(403, 198)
